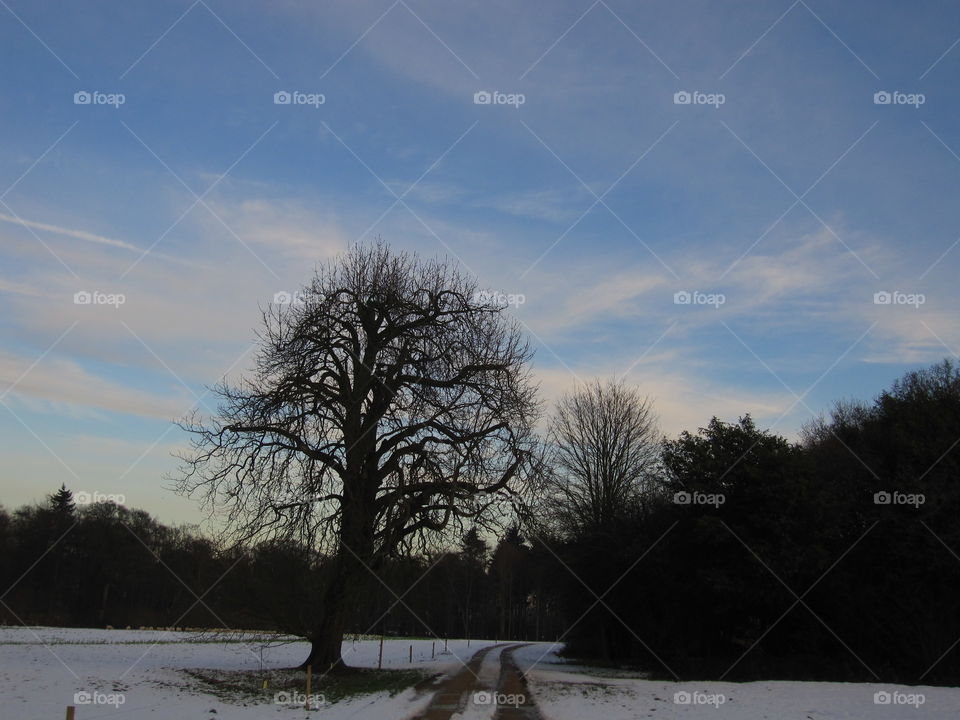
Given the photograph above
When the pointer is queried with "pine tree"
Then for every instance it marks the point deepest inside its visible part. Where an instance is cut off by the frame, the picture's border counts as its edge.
(61, 502)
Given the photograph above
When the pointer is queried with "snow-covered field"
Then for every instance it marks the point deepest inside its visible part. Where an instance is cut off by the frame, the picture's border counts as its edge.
(140, 674)
(567, 692)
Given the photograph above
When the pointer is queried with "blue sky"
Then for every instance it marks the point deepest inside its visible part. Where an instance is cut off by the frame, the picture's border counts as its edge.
(785, 189)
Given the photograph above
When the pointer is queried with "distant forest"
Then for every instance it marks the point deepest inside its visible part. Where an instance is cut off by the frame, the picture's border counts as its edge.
(740, 555)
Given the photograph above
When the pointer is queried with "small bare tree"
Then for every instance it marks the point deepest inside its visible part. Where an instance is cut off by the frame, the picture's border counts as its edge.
(604, 448)
(390, 404)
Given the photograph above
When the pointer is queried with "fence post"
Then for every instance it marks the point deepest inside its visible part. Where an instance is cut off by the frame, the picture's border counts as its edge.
(309, 683)
(71, 710)
(380, 659)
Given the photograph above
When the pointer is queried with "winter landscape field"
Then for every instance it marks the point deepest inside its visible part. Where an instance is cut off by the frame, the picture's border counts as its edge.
(148, 674)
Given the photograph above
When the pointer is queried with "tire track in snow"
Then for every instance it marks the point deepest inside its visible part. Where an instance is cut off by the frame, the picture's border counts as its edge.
(513, 683)
(450, 696)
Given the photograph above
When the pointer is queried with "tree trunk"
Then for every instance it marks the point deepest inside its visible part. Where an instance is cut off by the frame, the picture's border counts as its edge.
(349, 573)
(325, 648)
(103, 603)
(326, 639)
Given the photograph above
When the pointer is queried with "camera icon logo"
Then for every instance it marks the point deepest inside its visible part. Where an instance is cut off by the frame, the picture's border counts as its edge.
(82, 698)
(882, 97)
(482, 697)
(482, 97)
(682, 498)
(882, 498)
(682, 297)
(682, 98)
(882, 298)
(282, 298)
(281, 97)
(682, 698)
(882, 697)
(82, 298)
(82, 97)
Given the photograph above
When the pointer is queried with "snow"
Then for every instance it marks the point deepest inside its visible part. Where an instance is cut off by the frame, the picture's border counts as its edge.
(564, 691)
(138, 674)
(41, 669)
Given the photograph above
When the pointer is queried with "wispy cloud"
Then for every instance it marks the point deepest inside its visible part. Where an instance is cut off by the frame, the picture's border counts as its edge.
(69, 232)
(61, 382)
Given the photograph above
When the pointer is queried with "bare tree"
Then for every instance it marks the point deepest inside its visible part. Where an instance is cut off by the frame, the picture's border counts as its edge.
(603, 455)
(389, 405)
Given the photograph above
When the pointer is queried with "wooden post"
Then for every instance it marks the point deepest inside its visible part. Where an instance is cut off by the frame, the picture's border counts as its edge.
(411, 653)
(70, 712)
(380, 659)
(433, 649)
(444, 644)
(309, 683)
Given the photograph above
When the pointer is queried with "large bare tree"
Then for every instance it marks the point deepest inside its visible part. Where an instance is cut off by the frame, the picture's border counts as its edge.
(390, 403)
(604, 449)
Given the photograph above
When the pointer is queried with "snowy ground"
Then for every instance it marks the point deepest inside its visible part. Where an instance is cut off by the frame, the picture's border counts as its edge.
(568, 692)
(42, 670)
(138, 674)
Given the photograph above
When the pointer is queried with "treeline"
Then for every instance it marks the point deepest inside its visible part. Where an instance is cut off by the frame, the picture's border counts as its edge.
(753, 557)
(106, 565)
(101, 564)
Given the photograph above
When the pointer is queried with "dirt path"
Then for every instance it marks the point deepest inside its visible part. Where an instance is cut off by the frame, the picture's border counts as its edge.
(450, 696)
(455, 692)
(513, 684)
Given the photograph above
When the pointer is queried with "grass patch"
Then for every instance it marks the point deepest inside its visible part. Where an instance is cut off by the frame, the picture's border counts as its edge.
(247, 686)
(628, 673)
(600, 668)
